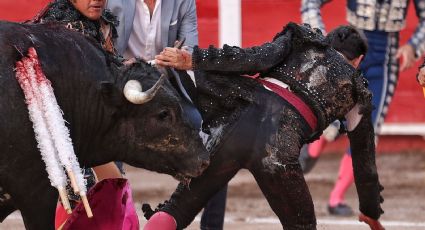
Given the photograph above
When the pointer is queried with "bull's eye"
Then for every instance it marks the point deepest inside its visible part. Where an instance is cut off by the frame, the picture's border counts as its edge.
(163, 114)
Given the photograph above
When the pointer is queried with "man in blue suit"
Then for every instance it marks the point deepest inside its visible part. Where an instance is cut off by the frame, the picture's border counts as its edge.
(147, 27)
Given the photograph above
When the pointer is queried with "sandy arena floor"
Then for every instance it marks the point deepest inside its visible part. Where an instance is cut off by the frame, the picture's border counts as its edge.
(403, 176)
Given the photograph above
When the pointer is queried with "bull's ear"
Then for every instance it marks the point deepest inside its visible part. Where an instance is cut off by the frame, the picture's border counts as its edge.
(110, 93)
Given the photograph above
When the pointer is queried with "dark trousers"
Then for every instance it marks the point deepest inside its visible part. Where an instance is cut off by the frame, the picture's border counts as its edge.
(213, 215)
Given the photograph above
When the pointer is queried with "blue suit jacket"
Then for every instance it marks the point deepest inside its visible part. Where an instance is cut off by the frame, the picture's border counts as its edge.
(178, 20)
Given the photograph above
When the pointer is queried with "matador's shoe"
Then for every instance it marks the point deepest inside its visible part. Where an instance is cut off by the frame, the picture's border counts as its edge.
(340, 210)
(307, 162)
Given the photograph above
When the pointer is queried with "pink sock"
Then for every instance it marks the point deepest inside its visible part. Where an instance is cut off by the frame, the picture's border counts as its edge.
(345, 179)
(161, 220)
(315, 148)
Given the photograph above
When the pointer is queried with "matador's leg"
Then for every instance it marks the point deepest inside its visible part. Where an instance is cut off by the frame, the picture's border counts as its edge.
(287, 193)
(279, 175)
(187, 201)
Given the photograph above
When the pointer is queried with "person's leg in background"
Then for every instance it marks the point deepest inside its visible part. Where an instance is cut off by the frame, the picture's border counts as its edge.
(380, 68)
(337, 205)
(310, 153)
(213, 214)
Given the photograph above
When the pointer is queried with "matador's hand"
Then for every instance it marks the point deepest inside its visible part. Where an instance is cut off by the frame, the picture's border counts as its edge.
(373, 224)
(176, 58)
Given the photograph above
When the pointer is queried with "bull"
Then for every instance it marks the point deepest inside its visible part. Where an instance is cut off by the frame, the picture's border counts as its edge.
(105, 123)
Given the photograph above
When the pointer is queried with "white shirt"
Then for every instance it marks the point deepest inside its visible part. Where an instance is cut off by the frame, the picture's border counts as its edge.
(145, 37)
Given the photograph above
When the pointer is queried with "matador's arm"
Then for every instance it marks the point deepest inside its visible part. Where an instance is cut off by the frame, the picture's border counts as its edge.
(362, 143)
(236, 60)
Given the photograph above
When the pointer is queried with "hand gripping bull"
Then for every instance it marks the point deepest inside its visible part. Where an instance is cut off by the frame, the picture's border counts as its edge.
(261, 123)
(106, 112)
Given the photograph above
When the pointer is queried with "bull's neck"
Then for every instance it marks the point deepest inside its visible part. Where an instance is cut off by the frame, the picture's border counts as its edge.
(87, 117)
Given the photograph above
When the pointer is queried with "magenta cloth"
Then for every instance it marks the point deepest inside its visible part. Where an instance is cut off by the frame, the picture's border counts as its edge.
(112, 207)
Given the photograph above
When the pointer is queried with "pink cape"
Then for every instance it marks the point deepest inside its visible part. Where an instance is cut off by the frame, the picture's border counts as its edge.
(112, 207)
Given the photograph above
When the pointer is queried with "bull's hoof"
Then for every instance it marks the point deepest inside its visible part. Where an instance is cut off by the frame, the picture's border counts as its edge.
(340, 210)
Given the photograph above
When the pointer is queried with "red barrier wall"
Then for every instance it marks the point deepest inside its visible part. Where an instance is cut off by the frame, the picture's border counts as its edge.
(20, 10)
(261, 20)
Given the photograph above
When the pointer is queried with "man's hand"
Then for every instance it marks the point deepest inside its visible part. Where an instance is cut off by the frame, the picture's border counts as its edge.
(407, 55)
(421, 76)
(176, 58)
(373, 224)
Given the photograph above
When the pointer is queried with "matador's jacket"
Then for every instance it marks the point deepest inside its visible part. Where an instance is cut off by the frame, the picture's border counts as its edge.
(263, 132)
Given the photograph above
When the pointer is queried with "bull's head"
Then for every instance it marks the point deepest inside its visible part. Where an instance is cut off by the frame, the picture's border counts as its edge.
(156, 125)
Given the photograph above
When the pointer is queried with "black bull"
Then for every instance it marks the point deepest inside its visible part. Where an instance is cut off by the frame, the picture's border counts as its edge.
(104, 125)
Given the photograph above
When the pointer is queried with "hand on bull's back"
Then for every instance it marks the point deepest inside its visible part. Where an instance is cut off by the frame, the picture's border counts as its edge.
(176, 58)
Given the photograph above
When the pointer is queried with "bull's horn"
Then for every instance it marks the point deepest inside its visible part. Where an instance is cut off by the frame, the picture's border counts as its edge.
(133, 91)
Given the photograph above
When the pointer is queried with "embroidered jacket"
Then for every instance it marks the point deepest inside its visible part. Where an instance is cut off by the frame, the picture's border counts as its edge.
(302, 58)
(380, 15)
